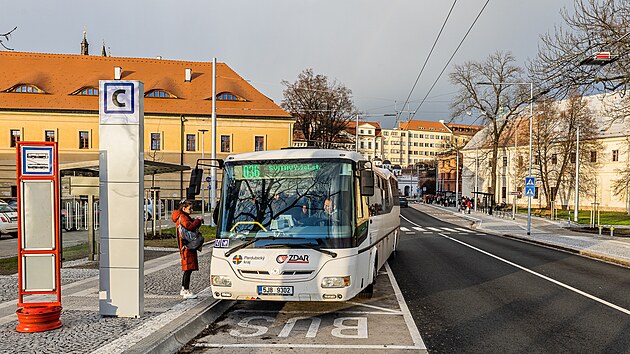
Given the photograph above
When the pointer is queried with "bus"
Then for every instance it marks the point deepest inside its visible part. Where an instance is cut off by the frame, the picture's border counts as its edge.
(302, 225)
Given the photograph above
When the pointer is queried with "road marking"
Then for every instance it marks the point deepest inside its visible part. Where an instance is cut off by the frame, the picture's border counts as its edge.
(578, 291)
(462, 229)
(448, 229)
(433, 229)
(374, 307)
(418, 343)
(402, 228)
(418, 228)
(393, 312)
(307, 346)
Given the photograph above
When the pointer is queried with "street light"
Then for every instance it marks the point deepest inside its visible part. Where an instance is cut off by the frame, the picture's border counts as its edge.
(203, 194)
(531, 116)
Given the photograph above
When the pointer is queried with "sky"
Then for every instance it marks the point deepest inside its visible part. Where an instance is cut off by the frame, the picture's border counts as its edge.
(375, 48)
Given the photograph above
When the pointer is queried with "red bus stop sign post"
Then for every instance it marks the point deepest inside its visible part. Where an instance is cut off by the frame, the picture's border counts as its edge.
(39, 281)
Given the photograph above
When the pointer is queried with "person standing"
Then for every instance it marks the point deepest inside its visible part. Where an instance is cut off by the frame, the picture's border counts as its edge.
(182, 217)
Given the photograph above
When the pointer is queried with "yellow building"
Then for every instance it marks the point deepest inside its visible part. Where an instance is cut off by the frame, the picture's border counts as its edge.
(54, 97)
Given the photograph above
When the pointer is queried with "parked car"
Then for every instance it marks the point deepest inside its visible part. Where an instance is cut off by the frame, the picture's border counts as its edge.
(404, 203)
(8, 220)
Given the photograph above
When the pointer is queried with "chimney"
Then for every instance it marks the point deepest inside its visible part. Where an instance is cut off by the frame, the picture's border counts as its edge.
(117, 72)
(188, 76)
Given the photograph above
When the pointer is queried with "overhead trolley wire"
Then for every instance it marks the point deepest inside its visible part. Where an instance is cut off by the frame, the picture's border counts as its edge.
(451, 58)
(427, 59)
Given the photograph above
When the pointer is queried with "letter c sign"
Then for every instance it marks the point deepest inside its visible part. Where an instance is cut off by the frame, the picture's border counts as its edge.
(118, 98)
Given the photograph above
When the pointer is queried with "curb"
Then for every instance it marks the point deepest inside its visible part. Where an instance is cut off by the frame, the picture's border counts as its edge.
(176, 334)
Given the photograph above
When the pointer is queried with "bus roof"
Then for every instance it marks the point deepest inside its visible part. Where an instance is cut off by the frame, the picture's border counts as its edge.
(293, 154)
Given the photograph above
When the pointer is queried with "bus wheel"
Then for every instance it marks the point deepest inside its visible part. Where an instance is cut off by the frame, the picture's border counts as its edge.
(368, 292)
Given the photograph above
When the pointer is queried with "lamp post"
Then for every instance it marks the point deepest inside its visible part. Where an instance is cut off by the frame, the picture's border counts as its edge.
(203, 192)
(531, 116)
(213, 181)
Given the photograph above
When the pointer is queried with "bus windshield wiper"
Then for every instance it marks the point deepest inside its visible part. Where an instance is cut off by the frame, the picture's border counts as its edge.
(305, 246)
(243, 245)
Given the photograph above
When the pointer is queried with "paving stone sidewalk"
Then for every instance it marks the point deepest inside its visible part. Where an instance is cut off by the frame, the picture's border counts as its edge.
(552, 233)
(83, 329)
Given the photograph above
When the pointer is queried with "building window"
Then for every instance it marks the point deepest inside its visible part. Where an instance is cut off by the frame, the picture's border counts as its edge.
(25, 89)
(159, 94)
(226, 96)
(155, 141)
(535, 192)
(259, 143)
(49, 135)
(369, 144)
(225, 143)
(362, 145)
(503, 192)
(573, 158)
(16, 136)
(376, 145)
(505, 162)
(84, 140)
(615, 156)
(554, 159)
(593, 156)
(191, 142)
(386, 133)
(88, 91)
(361, 131)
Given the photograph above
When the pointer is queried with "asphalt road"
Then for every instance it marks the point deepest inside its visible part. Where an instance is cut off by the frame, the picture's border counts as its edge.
(478, 293)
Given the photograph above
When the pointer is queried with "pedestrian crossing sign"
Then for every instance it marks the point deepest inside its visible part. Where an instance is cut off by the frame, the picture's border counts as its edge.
(530, 186)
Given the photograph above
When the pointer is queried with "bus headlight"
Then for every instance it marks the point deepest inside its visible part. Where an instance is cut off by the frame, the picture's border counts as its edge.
(220, 280)
(336, 282)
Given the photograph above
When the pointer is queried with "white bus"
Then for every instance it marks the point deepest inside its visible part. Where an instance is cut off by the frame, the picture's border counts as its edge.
(303, 225)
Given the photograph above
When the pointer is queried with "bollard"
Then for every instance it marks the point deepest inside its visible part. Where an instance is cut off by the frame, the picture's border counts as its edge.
(612, 231)
(600, 230)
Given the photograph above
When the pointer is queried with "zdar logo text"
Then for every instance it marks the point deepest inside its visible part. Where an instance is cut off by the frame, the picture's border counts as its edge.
(293, 258)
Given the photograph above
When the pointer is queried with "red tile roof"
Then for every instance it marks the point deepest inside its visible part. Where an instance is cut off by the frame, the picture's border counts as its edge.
(423, 125)
(59, 75)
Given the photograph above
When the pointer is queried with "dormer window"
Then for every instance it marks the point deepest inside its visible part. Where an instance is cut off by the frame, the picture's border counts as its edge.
(228, 96)
(86, 91)
(25, 88)
(159, 94)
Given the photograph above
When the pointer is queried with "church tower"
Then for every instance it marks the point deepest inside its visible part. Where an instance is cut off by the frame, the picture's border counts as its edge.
(84, 45)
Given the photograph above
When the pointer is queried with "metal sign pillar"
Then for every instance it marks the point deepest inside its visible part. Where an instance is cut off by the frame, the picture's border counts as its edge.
(39, 257)
(121, 181)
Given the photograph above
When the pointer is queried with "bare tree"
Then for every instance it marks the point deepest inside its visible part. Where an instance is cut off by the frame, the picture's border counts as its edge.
(6, 37)
(499, 103)
(593, 26)
(322, 108)
(554, 134)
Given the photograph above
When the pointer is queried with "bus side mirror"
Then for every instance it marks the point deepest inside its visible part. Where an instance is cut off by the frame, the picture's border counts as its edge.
(194, 186)
(215, 215)
(367, 183)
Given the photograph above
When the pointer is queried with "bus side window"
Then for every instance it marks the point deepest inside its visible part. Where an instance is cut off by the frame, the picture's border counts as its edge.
(375, 202)
(387, 197)
(362, 213)
(395, 192)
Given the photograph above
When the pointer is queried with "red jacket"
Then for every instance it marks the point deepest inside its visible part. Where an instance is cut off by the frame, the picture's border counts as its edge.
(189, 257)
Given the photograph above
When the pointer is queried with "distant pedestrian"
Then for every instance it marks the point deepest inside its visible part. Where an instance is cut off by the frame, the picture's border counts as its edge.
(181, 216)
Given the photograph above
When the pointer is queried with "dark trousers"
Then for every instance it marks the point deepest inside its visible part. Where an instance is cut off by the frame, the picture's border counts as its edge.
(186, 279)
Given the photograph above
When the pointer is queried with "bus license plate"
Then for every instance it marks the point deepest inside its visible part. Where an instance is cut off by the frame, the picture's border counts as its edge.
(275, 290)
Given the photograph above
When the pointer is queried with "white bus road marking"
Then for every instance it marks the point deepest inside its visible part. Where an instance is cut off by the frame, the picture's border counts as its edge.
(308, 346)
(418, 228)
(392, 313)
(462, 229)
(418, 343)
(375, 307)
(433, 229)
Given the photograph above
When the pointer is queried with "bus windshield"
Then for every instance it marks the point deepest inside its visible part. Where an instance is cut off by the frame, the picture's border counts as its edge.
(297, 201)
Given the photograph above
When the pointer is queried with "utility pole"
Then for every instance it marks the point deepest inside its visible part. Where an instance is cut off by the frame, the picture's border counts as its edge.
(457, 179)
(476, 176)
(213, 182)
(577, 175)
(203, 192)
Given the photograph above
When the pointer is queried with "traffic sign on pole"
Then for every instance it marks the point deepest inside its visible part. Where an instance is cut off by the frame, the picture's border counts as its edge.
(530, 186)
